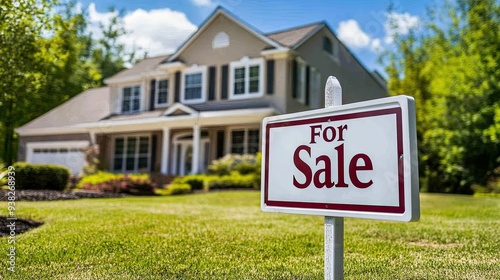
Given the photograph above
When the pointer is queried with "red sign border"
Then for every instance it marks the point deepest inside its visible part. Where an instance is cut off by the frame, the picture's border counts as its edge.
(400, 209)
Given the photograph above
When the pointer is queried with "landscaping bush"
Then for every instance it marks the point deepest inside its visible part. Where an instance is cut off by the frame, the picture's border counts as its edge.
(234, 180)
(195, 181)
(244, 164)
(178, 188)
(40, 176)
(135, 184)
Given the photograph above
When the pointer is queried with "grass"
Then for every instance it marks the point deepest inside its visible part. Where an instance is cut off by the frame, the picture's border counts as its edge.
(225, 235)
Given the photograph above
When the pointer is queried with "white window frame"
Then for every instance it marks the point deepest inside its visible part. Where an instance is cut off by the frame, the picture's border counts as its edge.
(301, 81)
(194, 70)
(157, 92)
(131, 102)
(136, 154)
(246, 63)
(229, 142)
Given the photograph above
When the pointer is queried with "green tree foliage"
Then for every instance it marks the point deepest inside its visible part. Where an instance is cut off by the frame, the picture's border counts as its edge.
(21, 62)
(46, 57)
(451, 67)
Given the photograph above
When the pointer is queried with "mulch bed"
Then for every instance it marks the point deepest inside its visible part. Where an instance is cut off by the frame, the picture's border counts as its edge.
(19, 226)
(48, 195)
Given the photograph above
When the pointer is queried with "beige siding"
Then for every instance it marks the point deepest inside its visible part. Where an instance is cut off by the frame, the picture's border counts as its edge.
(242, 43)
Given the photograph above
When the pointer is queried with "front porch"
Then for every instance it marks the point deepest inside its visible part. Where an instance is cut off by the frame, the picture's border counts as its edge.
(178, 144)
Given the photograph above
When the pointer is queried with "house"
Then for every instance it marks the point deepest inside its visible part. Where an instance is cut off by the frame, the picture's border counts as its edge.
(173, 114)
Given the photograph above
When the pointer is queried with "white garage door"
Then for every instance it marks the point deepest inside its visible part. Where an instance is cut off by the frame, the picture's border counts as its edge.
(70, 156)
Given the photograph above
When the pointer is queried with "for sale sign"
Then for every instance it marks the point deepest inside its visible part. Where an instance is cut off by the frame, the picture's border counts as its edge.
(357, 160)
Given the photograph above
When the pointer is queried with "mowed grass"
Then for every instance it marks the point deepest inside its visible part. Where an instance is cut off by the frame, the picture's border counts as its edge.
(225, 235)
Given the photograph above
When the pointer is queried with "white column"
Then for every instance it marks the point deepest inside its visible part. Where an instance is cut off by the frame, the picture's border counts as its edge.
(196, 149)
(165, 151)
(92, 137)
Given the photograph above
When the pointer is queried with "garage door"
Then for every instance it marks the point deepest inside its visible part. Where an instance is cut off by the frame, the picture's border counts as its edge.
(71, 157)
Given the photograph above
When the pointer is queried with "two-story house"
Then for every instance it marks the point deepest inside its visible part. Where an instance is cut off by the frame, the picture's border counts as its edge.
(173, 114)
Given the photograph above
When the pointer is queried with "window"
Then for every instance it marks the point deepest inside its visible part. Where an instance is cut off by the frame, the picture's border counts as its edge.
(315, 88)
(162, 93)
(327, 45)
(194, 84)
(300, 81)
(246, 78)
(131, 99)
(330, 47)
(244, 141)
(221, 40)
(131, 154)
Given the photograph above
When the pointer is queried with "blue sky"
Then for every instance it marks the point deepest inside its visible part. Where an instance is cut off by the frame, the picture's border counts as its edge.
(159, 27)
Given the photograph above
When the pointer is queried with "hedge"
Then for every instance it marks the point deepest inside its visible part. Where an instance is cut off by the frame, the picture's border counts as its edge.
(135, 184)
(40, 176)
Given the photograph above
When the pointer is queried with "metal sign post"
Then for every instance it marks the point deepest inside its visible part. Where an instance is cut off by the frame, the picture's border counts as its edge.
(334, 226)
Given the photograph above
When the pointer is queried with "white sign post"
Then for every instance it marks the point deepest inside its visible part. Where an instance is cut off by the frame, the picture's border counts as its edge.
(357, 160)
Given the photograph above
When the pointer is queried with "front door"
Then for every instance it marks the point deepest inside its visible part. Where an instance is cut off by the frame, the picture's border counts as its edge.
(183, 154)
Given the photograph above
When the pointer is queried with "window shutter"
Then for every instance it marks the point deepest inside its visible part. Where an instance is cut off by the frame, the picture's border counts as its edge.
(211, 82)
(177, 93)
(220, 144)
(153, 154)
(294, 78)
(224, 81)
(152, 89)
(308, 83)
(270, 76)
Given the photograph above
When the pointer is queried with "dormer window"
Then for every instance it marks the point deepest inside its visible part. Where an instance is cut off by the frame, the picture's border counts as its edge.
(247, 78)
(221, 40)
(131, 99)
(194, 84)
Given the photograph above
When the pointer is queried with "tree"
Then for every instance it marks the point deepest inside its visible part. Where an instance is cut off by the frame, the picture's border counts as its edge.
(453, 73)
(21, 26)
(46, 57)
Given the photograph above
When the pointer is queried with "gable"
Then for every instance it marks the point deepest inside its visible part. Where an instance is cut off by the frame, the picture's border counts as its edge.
(242, 42)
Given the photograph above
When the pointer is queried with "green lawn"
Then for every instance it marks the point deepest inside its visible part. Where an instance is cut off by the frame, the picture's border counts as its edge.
(225, 235)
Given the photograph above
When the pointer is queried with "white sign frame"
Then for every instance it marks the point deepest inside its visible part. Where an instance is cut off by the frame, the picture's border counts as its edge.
(408, 209)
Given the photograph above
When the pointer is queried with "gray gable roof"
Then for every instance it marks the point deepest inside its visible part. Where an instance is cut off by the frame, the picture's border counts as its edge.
(88, 106)
(143, 66)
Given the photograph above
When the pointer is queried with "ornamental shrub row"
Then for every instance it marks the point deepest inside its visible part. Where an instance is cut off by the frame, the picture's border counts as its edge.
(234, 180)
(40, 176)
(135, 184)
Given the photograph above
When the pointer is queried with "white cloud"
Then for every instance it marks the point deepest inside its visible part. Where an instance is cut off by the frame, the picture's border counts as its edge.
(351, 34)
(203, 3)
(376, 45)
(156, 32)
(401, 24)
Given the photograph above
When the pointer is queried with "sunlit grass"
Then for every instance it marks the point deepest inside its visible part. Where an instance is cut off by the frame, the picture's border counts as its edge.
(226, 236)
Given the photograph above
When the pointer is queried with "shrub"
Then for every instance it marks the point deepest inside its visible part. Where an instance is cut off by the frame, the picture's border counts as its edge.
(244, 164)
(233, 180)
(41, 176)
(195, 181)
(135, 184)
(178, 188)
